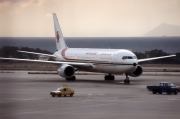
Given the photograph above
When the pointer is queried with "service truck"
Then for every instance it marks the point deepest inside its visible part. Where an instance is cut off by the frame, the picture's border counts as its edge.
(166, 87)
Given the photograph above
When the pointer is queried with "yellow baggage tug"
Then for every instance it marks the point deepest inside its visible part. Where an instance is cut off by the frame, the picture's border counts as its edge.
(62, 91)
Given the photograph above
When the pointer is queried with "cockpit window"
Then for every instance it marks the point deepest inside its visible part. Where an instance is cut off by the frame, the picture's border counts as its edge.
(129, 57)
(134, 57)
(126, 57)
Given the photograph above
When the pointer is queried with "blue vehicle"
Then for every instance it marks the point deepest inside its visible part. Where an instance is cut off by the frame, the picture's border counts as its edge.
(166, 87)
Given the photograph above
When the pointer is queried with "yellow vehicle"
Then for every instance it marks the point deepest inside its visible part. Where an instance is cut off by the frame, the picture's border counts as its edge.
(62, 91)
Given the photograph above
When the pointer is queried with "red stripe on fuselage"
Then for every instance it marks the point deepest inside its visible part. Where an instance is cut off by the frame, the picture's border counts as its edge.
(63, 53)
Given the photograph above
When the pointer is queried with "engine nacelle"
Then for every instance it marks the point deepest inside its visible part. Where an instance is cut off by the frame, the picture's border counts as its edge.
(137, 72)
(66, 71)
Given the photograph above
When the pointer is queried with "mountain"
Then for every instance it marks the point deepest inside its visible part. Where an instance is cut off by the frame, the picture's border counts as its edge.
(165, 30)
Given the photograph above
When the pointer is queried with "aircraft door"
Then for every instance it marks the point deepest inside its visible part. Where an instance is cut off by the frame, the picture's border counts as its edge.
(114, 61)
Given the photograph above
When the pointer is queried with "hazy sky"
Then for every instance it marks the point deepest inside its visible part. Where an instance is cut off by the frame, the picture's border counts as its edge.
(86, 18)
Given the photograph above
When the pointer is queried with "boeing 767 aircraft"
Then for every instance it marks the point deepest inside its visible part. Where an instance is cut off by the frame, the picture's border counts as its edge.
(110, 61)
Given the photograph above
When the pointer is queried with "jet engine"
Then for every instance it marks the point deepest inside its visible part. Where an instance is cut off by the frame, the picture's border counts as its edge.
(66, 71)
(137, 72)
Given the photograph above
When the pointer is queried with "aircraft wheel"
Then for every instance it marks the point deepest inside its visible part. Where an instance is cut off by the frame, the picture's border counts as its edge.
(112, 77)
(105, 77)
(109, 77)
(73, 78)
(126, 81)
(175, 93)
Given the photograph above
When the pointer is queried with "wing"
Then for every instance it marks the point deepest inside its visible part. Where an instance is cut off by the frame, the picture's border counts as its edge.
(37, 53)
(76, 64)
(154, 58)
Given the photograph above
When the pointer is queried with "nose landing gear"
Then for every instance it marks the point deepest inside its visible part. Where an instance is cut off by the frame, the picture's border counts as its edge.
(127, 81)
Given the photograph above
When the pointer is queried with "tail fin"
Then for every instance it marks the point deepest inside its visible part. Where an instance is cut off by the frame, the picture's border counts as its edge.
(60, 42)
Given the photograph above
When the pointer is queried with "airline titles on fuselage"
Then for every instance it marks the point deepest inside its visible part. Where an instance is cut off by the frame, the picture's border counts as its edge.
(100, 53)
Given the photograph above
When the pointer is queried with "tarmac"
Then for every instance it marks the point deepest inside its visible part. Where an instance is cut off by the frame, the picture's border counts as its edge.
(27, 96)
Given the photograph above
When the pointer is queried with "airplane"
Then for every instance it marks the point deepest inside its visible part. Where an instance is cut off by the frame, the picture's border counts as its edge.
(108, 61)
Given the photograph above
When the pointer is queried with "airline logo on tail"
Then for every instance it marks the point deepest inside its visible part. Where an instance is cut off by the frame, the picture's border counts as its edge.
(57, 37)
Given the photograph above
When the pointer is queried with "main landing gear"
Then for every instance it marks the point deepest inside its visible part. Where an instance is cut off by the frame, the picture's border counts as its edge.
(109, 77)
(127, 81)
(73, 78)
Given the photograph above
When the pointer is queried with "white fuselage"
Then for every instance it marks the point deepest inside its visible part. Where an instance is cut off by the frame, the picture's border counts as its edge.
(112, 61)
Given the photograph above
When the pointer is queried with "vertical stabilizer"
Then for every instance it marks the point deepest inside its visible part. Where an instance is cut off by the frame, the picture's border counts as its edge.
(60, 42)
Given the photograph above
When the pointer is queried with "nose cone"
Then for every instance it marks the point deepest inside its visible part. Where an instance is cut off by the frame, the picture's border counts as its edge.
(134, 64)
